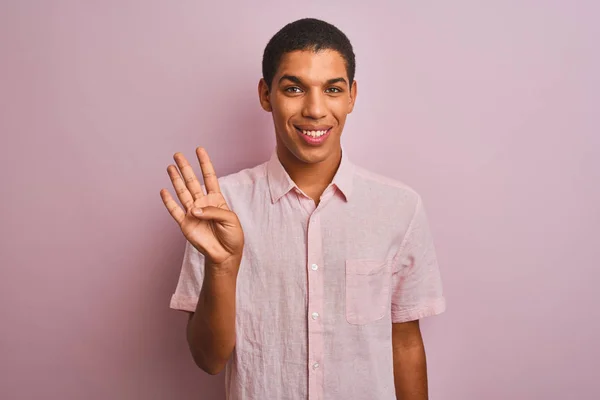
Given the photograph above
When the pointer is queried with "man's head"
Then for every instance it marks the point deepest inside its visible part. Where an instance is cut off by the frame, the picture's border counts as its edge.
(308, 85)
(306, 34)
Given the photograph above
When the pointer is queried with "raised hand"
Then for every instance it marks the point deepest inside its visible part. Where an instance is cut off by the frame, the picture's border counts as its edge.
(205, 219)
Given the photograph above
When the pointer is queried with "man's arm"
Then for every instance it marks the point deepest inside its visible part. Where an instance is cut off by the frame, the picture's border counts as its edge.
(211, 329)
(216, 232)
(410, 367)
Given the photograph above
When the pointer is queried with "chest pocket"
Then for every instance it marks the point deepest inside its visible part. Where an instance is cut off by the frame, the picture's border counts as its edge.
(368, 285)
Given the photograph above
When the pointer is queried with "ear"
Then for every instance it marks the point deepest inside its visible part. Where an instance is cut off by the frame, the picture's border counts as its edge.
(263, 95)
(353, 94)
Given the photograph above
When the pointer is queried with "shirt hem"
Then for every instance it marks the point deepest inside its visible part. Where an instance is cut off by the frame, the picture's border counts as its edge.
(436, 307)
(183, 303)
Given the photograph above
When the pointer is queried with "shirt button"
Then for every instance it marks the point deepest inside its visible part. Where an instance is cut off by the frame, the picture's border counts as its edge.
(316, 365)
(315, 315)
(314, 267)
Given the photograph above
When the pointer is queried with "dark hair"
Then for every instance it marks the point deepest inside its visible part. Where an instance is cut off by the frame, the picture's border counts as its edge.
(306, 34)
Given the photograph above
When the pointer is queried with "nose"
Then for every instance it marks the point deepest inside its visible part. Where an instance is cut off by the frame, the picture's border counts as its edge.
(314, 106)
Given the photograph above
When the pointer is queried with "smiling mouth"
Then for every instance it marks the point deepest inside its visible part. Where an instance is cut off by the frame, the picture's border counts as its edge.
(314, 133)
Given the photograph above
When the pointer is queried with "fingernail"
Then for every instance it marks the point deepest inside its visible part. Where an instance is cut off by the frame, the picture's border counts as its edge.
(197, 211)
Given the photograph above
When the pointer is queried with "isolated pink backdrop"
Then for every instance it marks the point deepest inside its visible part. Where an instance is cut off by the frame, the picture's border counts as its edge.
(489, 109)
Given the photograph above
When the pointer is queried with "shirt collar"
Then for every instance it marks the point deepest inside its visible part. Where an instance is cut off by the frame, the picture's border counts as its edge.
(280, 182)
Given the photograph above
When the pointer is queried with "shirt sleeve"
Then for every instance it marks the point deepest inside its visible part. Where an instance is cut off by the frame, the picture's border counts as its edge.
(416, 281)
(190, 280)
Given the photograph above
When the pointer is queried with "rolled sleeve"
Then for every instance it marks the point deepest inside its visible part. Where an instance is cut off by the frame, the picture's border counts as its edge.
(416, 280)
(188, 287)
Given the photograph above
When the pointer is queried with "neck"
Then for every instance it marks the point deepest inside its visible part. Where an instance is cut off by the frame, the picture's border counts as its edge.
(311, 178)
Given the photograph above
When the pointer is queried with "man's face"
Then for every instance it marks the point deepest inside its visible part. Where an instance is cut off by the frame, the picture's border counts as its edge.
(310, 98)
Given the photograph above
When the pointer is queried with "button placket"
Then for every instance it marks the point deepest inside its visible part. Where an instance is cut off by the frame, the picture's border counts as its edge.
(315, 306)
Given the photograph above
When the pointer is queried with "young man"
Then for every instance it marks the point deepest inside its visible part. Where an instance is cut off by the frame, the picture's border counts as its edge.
(319, 296)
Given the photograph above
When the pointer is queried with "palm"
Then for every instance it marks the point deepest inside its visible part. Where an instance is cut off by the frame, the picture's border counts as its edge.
(214, 238)
(218, 235)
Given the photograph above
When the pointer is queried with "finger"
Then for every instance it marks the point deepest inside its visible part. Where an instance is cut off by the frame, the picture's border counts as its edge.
(189, 177)
(214, 214)
(208, 172)
(182, 191)
(174, 209)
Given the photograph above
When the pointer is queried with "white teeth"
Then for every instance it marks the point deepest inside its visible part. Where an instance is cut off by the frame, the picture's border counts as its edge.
(314, 133)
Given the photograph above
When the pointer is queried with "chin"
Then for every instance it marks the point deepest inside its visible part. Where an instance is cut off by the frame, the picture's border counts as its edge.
(313, 155)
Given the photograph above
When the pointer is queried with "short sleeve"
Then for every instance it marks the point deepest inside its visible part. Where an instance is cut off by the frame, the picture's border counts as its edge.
(416, 281)
(190, 280)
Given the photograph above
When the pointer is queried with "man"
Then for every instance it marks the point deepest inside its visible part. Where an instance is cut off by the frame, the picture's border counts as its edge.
(319, 296)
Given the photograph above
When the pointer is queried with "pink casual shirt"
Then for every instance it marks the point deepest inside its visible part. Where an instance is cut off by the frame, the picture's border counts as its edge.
(319, 287)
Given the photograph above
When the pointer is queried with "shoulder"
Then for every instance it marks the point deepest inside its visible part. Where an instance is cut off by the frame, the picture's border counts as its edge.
(245, 177)
(241, 186)
(382, 189)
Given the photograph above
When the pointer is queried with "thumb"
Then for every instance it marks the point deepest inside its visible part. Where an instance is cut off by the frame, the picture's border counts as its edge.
(213, 213)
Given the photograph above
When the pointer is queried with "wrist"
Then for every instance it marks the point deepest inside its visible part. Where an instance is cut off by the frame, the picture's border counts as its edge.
(229, 267)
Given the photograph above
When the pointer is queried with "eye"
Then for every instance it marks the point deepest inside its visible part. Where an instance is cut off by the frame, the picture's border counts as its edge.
(293, 89)
(334, 90)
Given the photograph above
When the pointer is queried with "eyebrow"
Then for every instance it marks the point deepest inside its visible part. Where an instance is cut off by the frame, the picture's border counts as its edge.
(298, 81)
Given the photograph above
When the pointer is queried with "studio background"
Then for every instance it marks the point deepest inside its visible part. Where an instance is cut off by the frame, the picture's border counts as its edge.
(488, 109)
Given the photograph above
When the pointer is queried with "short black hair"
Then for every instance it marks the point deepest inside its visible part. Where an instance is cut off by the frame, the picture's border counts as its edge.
(306, 34)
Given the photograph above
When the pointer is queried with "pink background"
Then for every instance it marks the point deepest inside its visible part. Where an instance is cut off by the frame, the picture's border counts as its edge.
(489, 109)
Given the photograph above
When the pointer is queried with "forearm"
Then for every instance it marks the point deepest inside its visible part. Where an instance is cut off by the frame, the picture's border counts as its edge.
(410, 372)
(211, 330)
